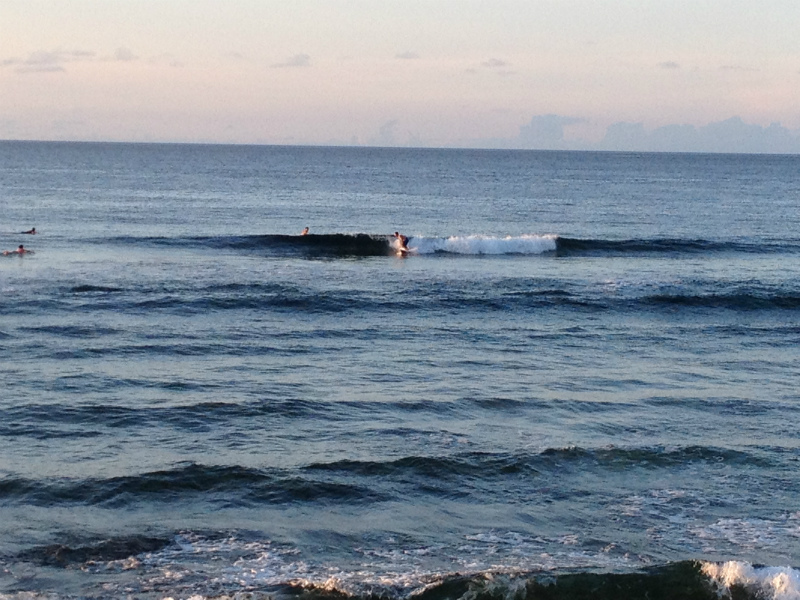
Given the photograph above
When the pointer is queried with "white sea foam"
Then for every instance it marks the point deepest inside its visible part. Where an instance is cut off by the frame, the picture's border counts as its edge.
(750, 534)
(480, 244)
(393, 568)
(774, 583)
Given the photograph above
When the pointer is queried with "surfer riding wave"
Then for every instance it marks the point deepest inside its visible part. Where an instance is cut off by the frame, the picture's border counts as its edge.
(402, 243)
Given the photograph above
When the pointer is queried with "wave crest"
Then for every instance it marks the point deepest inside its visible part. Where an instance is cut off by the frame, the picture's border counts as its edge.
(741, 579)
(481, 244)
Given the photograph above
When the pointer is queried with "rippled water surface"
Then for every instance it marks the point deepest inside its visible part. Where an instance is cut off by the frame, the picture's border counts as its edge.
(583, 377)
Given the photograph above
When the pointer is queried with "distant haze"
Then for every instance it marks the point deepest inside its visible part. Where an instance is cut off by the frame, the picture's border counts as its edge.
(650, 75)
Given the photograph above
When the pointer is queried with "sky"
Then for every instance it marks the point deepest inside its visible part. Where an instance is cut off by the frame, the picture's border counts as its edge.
(674, 75)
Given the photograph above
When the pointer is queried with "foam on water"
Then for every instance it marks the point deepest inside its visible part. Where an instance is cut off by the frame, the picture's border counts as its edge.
(773, 583)
(750, 534)
(481, 244)
(195, 563)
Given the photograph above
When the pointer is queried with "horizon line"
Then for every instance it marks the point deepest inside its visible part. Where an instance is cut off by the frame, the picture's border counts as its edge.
(397, 147)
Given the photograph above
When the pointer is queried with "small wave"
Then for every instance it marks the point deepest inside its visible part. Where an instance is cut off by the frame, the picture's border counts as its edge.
(647, 457)
(218, 485)
(595, 247)
(456, 467)
(741, 300)
(72, 331)
(61, 555)
(87, 289)
(487, 467)
(43, 421)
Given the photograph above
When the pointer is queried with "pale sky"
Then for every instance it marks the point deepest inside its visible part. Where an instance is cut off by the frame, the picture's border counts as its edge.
(491, 73)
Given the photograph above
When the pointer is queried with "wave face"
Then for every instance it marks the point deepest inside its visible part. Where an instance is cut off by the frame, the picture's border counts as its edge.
(352, 482)
(299, 246)
(343, 245)
(502, 297)
(657, 246)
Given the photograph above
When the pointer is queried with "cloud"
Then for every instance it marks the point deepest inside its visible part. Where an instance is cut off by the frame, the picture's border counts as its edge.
(386, 134)
(730, 135)
(545, 132)
(733, 135)
(407, 55)
(738, 68)
(298, 60)
(47, 61)
(669, 65)
(125, 55)
(494, 63)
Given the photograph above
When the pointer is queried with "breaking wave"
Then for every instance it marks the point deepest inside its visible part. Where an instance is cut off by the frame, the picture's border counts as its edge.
(216, 566)
(343, 245)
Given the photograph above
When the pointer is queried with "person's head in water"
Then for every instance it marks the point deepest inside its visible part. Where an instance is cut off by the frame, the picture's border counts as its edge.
(20, 250)
(305, 231)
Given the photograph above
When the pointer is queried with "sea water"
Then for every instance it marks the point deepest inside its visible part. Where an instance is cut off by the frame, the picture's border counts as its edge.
(582, 382)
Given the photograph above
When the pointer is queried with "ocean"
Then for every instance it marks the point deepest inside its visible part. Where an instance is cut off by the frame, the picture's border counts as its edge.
(582, 382)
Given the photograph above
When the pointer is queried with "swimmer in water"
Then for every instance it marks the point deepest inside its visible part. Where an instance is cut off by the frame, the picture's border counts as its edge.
(20, 250)
(304, 232)
(32, 230)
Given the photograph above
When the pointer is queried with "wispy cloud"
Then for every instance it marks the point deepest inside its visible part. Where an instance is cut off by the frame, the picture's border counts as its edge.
(407, 55)
(495, 63)
(498, 66)
(47, 61)
(670, 64)
(298, 60)
(125, 55)
(738, 68)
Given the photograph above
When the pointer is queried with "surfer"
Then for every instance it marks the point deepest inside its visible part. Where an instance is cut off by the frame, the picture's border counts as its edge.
(20, 250)
(403, 241)
(32, 230)
(305, 231)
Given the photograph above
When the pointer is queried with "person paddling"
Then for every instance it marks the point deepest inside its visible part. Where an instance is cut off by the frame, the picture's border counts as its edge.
(20, 250)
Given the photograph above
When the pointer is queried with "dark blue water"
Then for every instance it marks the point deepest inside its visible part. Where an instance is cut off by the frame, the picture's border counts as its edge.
(582, 380)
